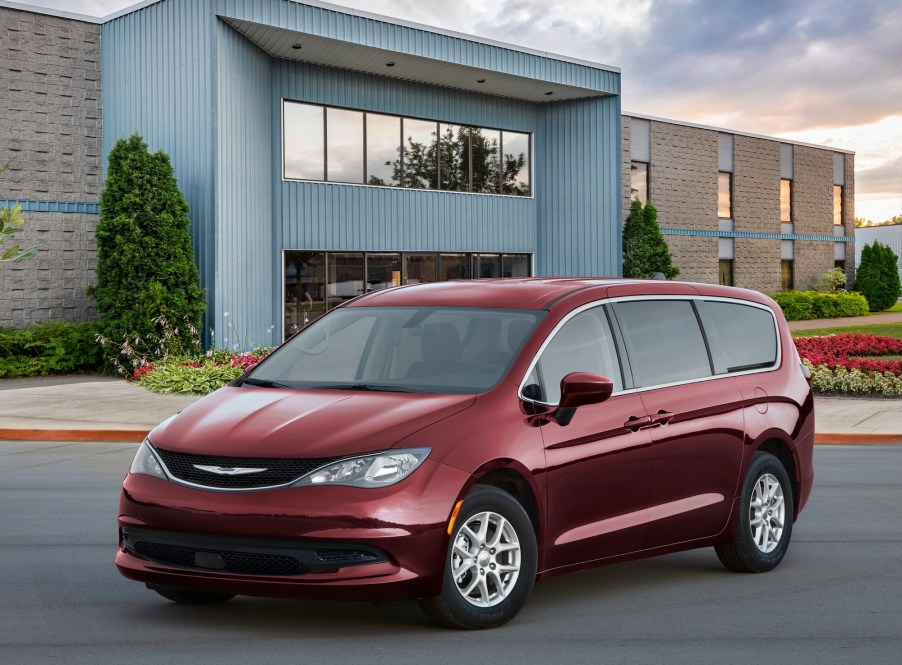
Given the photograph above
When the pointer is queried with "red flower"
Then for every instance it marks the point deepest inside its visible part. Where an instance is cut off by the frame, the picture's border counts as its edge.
(851, 351)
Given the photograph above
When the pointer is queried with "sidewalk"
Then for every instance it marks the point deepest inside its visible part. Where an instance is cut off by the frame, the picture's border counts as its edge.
(889, 317)
(95, 408)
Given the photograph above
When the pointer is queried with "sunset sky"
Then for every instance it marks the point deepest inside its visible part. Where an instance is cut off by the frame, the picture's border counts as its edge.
(820, 71)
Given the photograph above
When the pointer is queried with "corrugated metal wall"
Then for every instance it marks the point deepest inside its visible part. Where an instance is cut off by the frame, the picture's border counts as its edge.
(195, 88)
(578, 188)
(888, 235)
(246, 265)
(158, 79)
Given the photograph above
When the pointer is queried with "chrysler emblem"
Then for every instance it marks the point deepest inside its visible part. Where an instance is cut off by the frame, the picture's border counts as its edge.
(227, 470)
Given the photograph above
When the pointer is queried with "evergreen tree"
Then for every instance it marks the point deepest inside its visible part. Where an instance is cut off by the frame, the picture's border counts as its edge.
(145, 265)
(645, 251)
(877, 277)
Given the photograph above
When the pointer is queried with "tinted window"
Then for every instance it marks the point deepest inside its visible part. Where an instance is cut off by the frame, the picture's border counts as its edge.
(742, 337)
(583, 344)
(664, 340)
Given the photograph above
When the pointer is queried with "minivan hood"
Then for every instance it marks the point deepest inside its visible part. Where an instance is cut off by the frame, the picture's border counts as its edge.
(272, 422)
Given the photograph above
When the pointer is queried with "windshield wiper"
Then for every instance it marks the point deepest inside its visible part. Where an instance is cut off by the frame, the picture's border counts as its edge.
(374, 387)
(263, 383)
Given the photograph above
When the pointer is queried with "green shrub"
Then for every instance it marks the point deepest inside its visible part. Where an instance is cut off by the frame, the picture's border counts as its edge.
(145, 265)
(186, 379)
(645, 251)
(877, 277)
(50, 348)
(832, 281)
(805, 305)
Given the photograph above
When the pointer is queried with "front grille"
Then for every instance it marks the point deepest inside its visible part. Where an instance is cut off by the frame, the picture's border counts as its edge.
(246, 563)
(279, 471)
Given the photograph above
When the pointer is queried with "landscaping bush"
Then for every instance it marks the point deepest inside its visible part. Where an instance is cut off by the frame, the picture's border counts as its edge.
(877, 277)
(50, 348)
(805, 305)
(853, 381)
(852, 351)
(199, 375)
(645, 251)
(145, 266)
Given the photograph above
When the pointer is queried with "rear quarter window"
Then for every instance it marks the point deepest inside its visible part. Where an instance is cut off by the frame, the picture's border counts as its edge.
(742, 337)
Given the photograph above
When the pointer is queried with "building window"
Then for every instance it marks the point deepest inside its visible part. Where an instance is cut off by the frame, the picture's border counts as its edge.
(837, 205)
(328, 144)
(639, 181)
(786, 282)
(840, 265)
(316, 282)
(785, 200)
(725, 195)
(726, 272)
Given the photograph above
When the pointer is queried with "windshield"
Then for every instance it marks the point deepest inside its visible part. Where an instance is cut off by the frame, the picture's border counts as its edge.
(408, 349)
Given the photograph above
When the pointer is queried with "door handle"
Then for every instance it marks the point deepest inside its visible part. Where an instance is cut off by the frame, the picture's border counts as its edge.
(635, 423)
(662, 417)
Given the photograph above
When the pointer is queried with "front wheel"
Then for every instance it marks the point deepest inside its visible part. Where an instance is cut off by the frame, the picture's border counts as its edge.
(764, 520)
(490, 566)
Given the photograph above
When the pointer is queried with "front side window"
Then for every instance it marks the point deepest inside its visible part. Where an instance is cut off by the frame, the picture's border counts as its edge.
(665, 341)
(725, 195)
(402, 349)
(583, 344)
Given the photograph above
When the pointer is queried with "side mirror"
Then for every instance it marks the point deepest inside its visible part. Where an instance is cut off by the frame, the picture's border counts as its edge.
(580, 389)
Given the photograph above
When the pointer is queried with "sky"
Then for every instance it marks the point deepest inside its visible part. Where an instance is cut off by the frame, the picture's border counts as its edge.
(827, 72)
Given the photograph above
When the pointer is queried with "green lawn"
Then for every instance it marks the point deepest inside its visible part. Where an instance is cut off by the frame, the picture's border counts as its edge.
(881, 329)
(878, 357)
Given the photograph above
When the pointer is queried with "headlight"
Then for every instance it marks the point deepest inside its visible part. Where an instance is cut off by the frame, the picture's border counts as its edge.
(378, 470)
(146, 462)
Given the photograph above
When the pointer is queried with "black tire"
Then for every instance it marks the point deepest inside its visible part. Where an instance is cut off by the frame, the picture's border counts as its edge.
(190, 596)
(450, 608)
(744, 554)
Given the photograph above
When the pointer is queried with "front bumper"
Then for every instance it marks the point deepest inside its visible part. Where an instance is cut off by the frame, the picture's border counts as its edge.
(403, 525)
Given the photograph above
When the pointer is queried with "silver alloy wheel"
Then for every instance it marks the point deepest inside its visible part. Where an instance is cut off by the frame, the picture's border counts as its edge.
(485, 559)
(767, 513)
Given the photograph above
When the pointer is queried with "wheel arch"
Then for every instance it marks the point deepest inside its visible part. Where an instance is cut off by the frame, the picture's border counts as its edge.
(514, 482)
(785, 454)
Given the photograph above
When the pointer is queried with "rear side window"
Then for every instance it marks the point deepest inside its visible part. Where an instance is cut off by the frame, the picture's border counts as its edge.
(583, 344)
(664, 341)
(742, 337)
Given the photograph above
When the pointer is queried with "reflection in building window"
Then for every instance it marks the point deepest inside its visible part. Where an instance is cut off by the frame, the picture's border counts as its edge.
(515, 265)
(786, 281)
(486, 266)
(639, 181)
(340, 145)
(785, 200)
(837, 205)
(383, 271)
(726, 272)
(345, 278)
(725, 195)
(304, 289)
(422, 268)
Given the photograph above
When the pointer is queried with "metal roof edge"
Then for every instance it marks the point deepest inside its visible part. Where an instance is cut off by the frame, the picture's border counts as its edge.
(328, 6)
(49, 11)
(669, 121)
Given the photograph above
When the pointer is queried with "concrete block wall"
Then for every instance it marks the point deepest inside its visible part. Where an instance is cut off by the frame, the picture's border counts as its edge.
(51, 132)
(812, 209)
(756, 209)
(849, 218)
(625, 147)
(696, 257)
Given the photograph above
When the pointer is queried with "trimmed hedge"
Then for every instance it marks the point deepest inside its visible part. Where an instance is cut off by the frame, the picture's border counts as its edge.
(805, 305)
(49, 348)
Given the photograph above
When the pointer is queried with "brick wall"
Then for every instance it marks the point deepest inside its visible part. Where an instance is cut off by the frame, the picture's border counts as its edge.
(50, 131)
(812, 207)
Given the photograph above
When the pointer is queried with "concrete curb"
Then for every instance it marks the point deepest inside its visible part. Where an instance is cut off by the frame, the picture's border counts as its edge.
(138, 435)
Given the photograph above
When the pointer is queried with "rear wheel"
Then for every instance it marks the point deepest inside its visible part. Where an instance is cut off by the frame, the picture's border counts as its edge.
(490, 566)
(190, 596)
(764, 519)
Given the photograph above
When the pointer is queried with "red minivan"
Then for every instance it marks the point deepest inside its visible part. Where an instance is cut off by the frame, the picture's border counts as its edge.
(455, 442)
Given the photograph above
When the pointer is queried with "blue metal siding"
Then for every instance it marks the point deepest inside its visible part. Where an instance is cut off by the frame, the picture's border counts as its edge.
(158, 80)
(244, 188)
(578, 188)
(380, 34)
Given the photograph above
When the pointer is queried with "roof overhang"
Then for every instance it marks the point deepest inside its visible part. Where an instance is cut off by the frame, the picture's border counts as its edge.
(326, 51)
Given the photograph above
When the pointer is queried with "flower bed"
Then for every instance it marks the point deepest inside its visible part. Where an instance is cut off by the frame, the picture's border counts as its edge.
(202, 375)
(844, 364)
(851, 351)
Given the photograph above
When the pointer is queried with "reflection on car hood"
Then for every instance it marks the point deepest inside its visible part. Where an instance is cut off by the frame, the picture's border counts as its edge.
(267, 422)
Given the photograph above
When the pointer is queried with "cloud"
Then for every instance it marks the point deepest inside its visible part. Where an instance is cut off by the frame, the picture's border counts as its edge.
(884, 178)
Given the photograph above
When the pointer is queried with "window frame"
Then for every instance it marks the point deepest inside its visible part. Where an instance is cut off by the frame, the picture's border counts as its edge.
(400, 186)
(623, 355)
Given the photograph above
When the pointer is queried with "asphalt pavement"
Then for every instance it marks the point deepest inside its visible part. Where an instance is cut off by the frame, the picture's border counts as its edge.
(834, 599)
